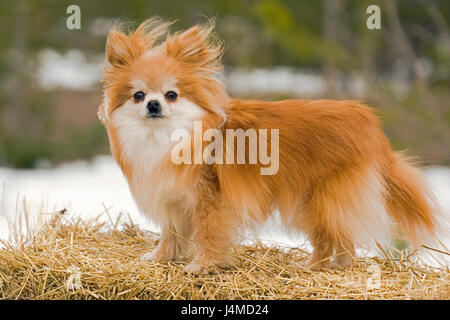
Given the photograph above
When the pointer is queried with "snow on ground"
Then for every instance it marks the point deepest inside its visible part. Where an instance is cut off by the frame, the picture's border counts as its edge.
(90, 187)
(85, 188)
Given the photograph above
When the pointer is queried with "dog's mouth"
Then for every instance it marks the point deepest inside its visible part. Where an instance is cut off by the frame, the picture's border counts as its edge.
(155, 116)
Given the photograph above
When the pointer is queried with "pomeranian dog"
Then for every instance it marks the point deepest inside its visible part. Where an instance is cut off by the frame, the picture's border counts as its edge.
(337, 179)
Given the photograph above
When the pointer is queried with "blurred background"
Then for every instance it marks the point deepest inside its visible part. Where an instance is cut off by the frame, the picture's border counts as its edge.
(275, 49)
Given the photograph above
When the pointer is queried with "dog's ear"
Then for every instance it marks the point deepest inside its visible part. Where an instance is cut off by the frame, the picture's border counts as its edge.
(117, 49)
(122, 49)
(196, 48)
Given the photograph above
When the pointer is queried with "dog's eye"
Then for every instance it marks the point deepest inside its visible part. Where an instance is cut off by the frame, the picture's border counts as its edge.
(139, 96)
(171, 96)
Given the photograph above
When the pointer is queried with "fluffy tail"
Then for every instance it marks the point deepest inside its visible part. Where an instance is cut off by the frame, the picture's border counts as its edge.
(412, 205)
(409, 201)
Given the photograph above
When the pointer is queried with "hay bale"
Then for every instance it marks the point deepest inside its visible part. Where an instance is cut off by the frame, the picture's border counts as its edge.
(76, 259)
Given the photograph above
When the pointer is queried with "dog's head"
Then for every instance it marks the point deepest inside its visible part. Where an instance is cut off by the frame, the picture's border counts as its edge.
(158, 78)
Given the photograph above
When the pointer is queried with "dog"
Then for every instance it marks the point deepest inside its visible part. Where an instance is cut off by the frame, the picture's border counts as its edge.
(338, 180)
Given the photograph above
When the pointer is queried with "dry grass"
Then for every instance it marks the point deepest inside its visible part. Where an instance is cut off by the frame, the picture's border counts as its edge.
(107, 258)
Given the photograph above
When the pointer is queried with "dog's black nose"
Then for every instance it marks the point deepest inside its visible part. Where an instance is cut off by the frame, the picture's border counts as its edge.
(154, 107)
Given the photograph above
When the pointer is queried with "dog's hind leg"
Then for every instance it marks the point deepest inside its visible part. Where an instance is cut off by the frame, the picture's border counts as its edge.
(342, 211)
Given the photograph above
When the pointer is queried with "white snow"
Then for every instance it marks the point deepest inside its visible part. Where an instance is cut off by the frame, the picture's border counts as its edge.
(89, 188)
(68, 70)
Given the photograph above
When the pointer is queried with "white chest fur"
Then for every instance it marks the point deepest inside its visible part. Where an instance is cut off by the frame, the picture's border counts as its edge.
(146, 145)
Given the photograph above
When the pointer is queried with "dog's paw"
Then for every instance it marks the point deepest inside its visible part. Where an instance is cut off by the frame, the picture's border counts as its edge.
(155, 255)
(315, 265)
(343, 263)
(205, 268)
(149, 256)
(197, 267)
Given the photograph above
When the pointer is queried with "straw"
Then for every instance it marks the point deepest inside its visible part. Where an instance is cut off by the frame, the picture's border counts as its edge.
(78, 259)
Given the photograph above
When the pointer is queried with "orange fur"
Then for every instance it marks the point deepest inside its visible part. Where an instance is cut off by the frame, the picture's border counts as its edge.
(337, 172)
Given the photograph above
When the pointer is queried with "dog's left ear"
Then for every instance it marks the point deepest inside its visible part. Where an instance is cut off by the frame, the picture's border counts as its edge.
(122, 48)
(196, 49)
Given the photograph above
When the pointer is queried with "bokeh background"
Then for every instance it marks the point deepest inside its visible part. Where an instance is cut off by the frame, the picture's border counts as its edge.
(275, 49)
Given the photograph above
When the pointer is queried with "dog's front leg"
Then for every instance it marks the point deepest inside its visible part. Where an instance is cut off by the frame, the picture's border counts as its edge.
(174, 241)
(213, 233)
